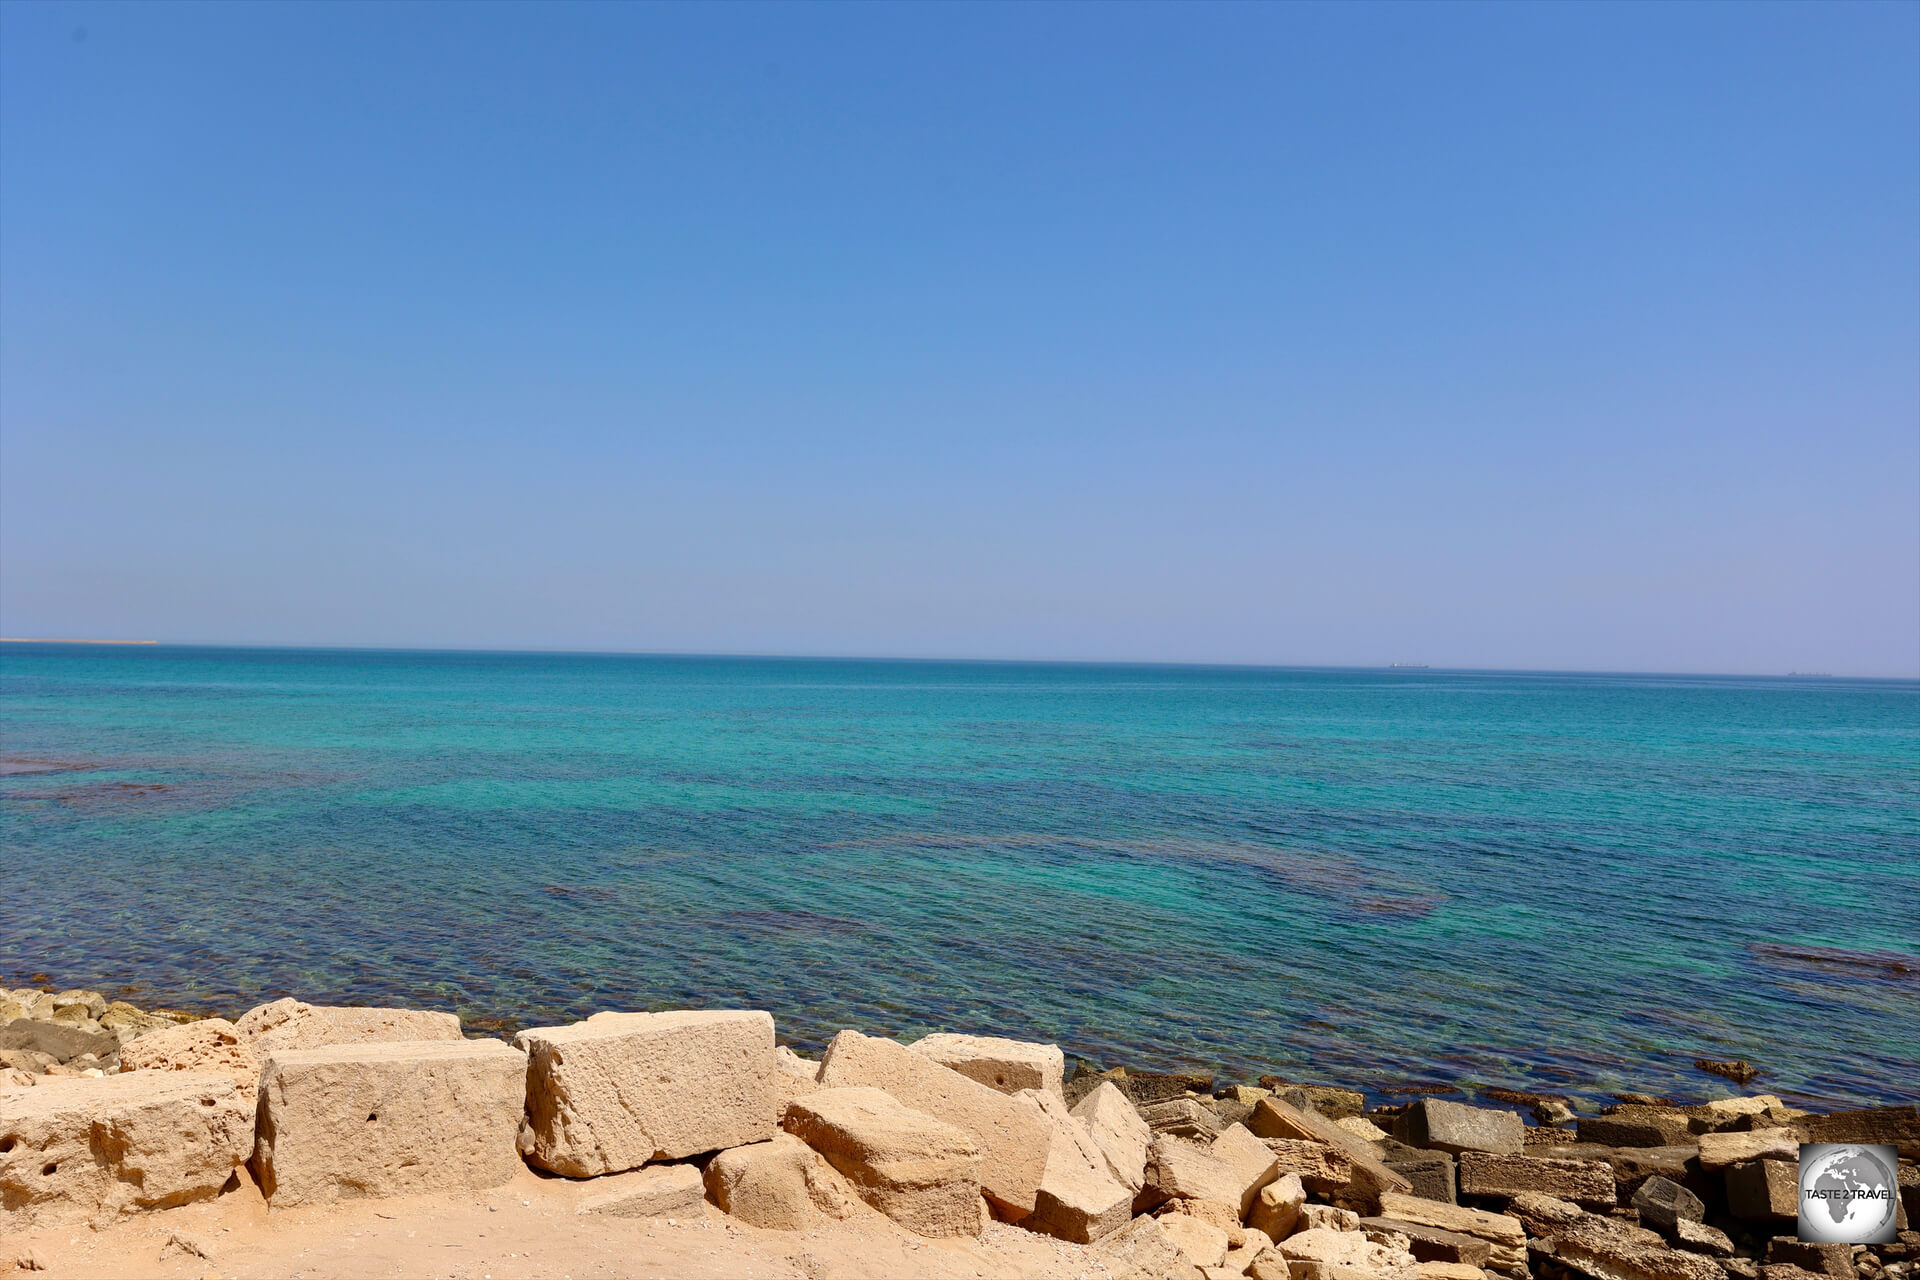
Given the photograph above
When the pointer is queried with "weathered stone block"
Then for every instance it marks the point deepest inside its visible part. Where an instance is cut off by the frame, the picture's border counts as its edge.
(1079, 1199)
(400, 1118)
(1584, 1181)
(1718, 1150)
(1430, 1173)
(1324, 1169)
(1701, 1238)
(1273, 1118)
(1433, 1244)
(58, 1040)
(1116, 1128)
(1200, 1242)
(81, 1148)
(1503, 1232)
(1178, 1169)
(1011, 1136)
(1455, 1127)
(1007, 1066)
(1277, 1207)
(1636, 1126)
(622, 1089)
(1606, 1249)
(1145, 1248)
(1663, 1203)
(1886, 1126)
(782, 1185)
(210, 1044)
(1329, 1100)
(1832, 1260)
(1252, 1162)
(1763, 1189)
(1187, 1118)
(294, 1024)
(918, 1170)
(666, 1191)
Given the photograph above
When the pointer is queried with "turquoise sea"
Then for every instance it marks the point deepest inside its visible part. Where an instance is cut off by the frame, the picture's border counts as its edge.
(1560, 882)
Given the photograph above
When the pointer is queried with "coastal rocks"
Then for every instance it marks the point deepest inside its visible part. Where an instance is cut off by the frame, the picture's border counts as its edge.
(1140, 1087)
(1588, 1182)
(1454, 1127)
(59, 1040)
(1010, 1134)
(1886, 1126)
(129, 1024)
(362, 1120)
(1764, 1189)
(1276, 1208)
(1664, 1203)
(1007, 1066)
(1201, 1243)
(1253, 1164)
(921, 1172)
(668, 1191)
(1701, 1238)
(1719, 1150)
(75, 1149)
(293, 1024)
(622, 1089)
(1430, 1174)
(1332, 1102)
(782, 1185)
(1738, 1070)
(1633, 1125)
(1178, 1169)
(1505, 1234)
(1079, 1198)
(1115, 1126)
(1433, 1244)
(1608, 1249)
(1352, 1249)
(210, 1044)
(1182, 1118)
(1274, 1118)
(1145, 1247)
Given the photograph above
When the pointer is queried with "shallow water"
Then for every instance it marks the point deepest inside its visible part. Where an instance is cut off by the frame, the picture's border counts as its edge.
(1371, 877)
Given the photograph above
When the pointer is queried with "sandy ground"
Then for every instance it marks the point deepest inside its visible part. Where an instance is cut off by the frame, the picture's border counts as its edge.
(527, 1228)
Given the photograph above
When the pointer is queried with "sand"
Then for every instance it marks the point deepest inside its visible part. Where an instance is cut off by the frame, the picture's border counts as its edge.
(527, 1228)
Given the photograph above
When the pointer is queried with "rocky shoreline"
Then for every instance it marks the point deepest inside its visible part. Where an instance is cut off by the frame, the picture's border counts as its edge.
(109, 1112)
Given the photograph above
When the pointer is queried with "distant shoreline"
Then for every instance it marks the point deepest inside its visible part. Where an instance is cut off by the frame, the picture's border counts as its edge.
(41, 640)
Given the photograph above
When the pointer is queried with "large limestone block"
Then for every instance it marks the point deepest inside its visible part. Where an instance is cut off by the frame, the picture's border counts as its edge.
(1011, 1135)
(1502, 1231)
(1252, 1162)
(1891, 1126)
(1608, 1249)
(1201, 1243)
(1454, 1127)
(1370, 1179)
(74, 1149)
(1146, 1249)
(1432, 1244)
(1008, 1066)
(1719, 1150)
(1277, 1208)
(1180, 1170)
(1116, 1128)
(621, 1089)
(1079, 1199)
(364, 1120)
(920, 1171)
(1764, 1189)
(1343, 1249)
(1588, 1182)
(782, 1185)
(667, 1191)
(59, 1040)
(293, 1024)
(211, 1044)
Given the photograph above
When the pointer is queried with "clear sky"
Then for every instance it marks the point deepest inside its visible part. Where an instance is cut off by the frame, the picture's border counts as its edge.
(1516, 336)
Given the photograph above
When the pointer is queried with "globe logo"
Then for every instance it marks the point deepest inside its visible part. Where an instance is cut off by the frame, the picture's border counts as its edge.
(1847, 1193)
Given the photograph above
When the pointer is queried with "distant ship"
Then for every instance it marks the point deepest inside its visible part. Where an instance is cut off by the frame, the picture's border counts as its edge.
(1407, 666)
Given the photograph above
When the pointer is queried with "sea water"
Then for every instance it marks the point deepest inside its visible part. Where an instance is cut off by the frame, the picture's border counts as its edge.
(1379, 878)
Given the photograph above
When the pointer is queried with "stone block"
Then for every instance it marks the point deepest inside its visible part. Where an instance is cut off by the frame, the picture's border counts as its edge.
(1324, 1169)
(1433, 1244)
(1701, 1238)
(1012, 1137)
(1178, 1169)
(1663, 1203)
(60, 1041)
(1607, 1249)
(623, 1089)
(1187, 1118)
(387, 1119)
(1116, 1128)
(1329, 1100)
(1343, 1249)
(918, 1170)
(1885, 1126)
(1718, 1150)
(1007, 1066)
(1079, 1198)
(1277, 1207)
(1455, 1127)
(1145, 1248)
(1636, 1126)
(1588, 1182)
(1273, 1118)
(1200, 1242)
(1252, 1162)
(1503, 1232)
(92, 1147)
(294, 1024)
(666, 1191)
(1832, 1260)
(1429, 1173)
(210, 1044)
(782, 1185)
(1763, 1190)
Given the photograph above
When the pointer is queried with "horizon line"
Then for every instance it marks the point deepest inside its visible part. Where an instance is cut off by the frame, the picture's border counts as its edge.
(755, 655)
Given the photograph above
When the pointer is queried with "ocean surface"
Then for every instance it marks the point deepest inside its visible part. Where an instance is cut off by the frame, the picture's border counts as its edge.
(1381, 878)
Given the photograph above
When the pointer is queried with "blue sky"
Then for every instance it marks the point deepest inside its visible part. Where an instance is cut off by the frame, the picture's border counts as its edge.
(1514, 336)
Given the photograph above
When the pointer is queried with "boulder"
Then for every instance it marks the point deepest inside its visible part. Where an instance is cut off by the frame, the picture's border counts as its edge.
(211, 1044)
(1663, 1203)
(1178, 1169)
(1719, 1150)
(1010, 1134)
(1201, 1243)
(1327, 1217)
(1884, 1126)
(77, 1007)
(665, 1191)
(1146, 1249)
(1330, 1101)
(30, 1061)
(79, 1149)
(292, 1024)
(1277, 1207)
(1504, 1233)
(1830, 1259)
(1701, 1238)
(782, 1185)
(1542, 1215)
(1115, 1126)
(1636, 1126)
(401, 1118)
(1343, 1249)
(918, 1170)
(1079, 1198)
(1221, 1214)
(1433, 1244)
(1273, 1118)
(1609, 1249)
(128, 1023)
(1588, 1182)
(1455, 1127)
(1187, 1118)
(60, 1041)
(1764, 1189)
(622, 1089)
(1008, 1066)
(1253, 1164)
(1429, 1173)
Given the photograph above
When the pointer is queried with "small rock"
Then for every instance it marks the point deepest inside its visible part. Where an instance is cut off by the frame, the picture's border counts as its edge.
(1662, 1203)
(1701, 1238)
(1004, 1065)
(30, 1260)
(1737, 1070)
(1554, 1114)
